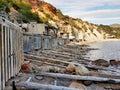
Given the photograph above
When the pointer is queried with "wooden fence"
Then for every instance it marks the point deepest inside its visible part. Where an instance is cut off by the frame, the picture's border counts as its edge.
(11, 50)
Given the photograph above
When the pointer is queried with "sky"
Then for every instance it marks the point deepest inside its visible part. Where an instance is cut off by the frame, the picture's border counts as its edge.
(94, 11)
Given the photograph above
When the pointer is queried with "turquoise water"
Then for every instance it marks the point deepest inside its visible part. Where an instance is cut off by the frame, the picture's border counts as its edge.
(106, 50)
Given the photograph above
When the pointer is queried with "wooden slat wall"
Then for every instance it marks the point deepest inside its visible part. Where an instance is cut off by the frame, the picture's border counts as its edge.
(11, 51)
(32, 42)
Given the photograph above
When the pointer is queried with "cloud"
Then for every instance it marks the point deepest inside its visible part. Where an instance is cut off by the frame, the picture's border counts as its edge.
(105, 12)
(82, 4)
(106, 21)
(90, 9)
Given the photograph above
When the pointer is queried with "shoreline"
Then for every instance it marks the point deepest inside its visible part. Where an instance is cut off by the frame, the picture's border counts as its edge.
(104, 40)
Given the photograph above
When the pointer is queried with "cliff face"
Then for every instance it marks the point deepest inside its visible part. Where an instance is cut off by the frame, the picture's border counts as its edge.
(68, 26)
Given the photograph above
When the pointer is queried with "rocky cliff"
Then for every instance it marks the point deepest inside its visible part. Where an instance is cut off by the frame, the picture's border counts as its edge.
(68, 26)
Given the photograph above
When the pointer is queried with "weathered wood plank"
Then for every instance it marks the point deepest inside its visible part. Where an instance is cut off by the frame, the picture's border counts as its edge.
(11, 54)
(3, 71)
(31, 85)
(6, 57)
(52, 64)
(0, 54)
(78, 77)
(8, 53)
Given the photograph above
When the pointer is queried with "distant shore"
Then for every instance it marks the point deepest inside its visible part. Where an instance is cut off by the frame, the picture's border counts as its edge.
(104, 40)
(88, 42)
(111, 40)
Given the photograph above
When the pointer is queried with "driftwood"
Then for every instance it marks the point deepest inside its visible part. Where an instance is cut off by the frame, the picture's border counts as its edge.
(65, 55)
(101, 68)
(50, 59)
(31, 85)
(52, 64)
(45, 58)
(77, 77)
(105, 75)
(65, 62)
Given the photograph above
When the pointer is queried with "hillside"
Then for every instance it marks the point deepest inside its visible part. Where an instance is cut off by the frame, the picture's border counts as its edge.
(40, 11)
(115, 25)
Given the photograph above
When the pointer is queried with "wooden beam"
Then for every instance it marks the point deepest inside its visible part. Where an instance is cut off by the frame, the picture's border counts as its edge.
(52, 64)
(78, 77)
(65, 62)
(31, 85)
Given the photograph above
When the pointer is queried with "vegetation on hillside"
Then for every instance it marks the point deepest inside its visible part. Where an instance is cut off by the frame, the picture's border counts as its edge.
(4, 5)
(110, 30)
(23, 8)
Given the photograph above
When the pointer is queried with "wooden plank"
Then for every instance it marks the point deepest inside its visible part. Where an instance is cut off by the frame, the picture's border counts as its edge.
(17, 50)
(3, 71)
(15, 43)
(7, 54)
(6, 57)
(0, 54)
(9, 75)
(31, 85)
(11, 53)
(78, 77)
(13, 31)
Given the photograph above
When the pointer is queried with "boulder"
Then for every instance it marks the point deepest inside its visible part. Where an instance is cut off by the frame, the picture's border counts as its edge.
(81, 70)
(87, 83)
(25, 68)
(63, 70)
(118, 63)
(78, 85)
(114, 62)
(70, 68)
(49, 69)
(100, 62)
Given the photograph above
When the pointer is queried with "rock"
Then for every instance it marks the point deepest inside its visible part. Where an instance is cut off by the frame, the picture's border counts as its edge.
(100, 62)
(114, 62)
(49, 69)
(81, 70)
(38, 77)
(26, 62)
(118, 63)
(70, 68)
(63, 70)
(57, 69)
(46, 68)
(77, 85)
(25, 68)
(87, 83)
